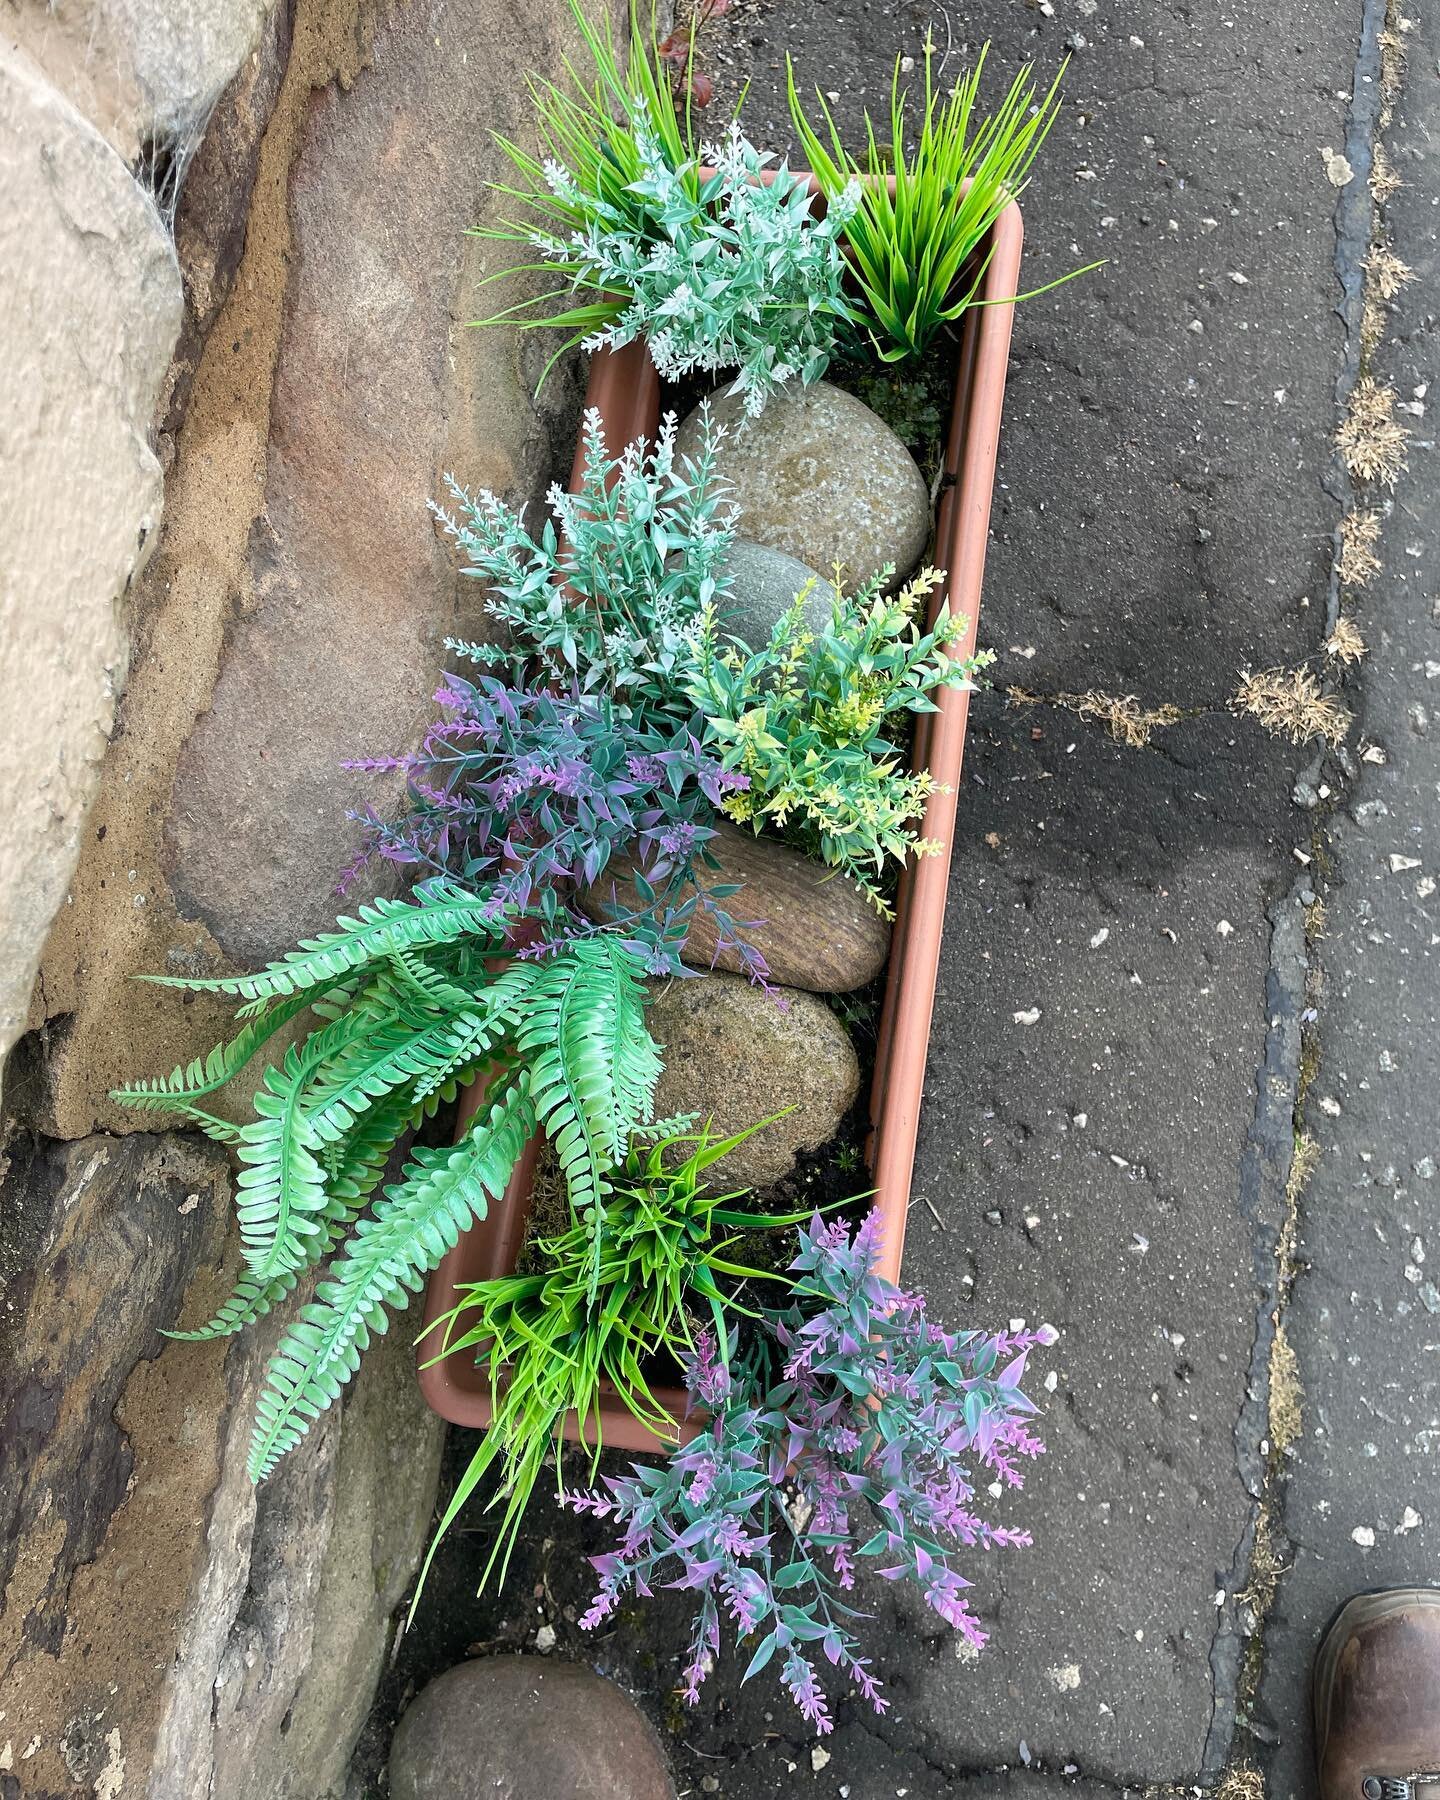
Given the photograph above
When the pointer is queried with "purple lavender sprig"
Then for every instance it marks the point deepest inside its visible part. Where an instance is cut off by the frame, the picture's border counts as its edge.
(524, 795)
(858, 1451)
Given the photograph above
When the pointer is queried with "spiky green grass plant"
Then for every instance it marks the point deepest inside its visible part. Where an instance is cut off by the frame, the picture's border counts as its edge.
(587, 132)
(548, 1340)
(917, 256)
(411, 1001)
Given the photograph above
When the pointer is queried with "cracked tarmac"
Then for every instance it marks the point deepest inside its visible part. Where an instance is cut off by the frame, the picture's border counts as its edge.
(1166, 515)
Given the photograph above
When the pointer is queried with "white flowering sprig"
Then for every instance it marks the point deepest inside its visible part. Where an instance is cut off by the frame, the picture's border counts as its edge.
(735, 272)
(608, 595)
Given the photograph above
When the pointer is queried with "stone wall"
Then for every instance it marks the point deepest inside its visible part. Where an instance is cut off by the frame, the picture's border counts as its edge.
(282, 339)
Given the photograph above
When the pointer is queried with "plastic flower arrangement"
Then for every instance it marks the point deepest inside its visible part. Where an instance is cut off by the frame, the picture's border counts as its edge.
(666, 1246)
(840, 1435)
(810, 719)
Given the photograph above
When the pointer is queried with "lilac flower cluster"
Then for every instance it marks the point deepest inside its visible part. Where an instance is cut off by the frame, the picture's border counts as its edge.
(524, 795)
(856, 1451)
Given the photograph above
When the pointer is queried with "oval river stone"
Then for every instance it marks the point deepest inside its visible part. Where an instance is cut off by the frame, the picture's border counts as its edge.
(814, 927)
(733, 1055)
(823, 478)
(526, 1729)
(764, 585)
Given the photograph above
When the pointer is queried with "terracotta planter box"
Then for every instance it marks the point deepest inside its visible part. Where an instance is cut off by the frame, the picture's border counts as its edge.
(626, 389)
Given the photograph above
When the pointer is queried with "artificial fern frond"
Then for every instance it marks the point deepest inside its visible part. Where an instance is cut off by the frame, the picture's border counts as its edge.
(440, 1193)
(393, 1054)
(219, 1131)
(280, 1197)
(356, 1163)
(206, 1074)
(428, 984)
(441, 912)
(352, 1177)
(592, 1064)
(251, 1300)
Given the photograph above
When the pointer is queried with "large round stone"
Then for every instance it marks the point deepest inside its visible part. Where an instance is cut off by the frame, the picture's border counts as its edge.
(734, 1056)
(814, 927)
(765, 584)
(517, 1728)
(823, 478)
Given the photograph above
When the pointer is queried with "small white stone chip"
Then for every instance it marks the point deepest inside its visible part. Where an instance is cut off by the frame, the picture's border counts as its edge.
(1364, 1536)
(1030, 1017)
(819, 1758)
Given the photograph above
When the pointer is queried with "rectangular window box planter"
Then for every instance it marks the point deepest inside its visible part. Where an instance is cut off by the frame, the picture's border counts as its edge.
(625, 388)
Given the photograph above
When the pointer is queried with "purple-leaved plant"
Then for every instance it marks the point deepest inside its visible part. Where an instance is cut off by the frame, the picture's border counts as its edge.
(859, 1450)
(521, 795)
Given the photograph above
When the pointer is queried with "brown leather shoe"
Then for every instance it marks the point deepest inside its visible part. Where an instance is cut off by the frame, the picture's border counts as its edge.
(1377, 1698)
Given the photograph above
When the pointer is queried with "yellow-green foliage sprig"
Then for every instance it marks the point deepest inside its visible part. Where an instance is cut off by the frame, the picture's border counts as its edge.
(813, 720)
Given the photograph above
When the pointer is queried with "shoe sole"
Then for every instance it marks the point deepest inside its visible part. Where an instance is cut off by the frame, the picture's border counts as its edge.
(1360, 1609)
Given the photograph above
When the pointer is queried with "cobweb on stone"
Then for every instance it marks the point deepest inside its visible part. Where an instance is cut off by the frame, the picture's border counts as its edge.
(165, 159)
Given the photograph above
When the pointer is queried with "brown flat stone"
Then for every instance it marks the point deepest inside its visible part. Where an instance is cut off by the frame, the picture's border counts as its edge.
(819, 931)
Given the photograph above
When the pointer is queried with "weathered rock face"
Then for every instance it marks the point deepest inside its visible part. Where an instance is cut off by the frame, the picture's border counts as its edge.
(734, 1056)
(161, 1620)
(815, 928)
(109, 1440)
(165, 1630)
(821, 477)
(294, 610)
(765, 585)
(90, 295)
(528, 1730)
(334, 652)
(277, 1668)
(141, 70)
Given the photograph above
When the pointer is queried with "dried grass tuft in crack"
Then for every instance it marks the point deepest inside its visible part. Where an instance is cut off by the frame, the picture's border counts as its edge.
(1128, 722)
(1387, 273)
(1385, 182)
(1290, 703)
(1286, 1394)
(1305, 1159)
(1359, 534)
(1393, 52)
(1241, 1783)
(1345, 643)
(1371, 439)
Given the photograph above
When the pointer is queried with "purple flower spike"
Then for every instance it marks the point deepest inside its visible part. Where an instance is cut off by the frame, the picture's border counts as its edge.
(524, 796)
(857, 1453)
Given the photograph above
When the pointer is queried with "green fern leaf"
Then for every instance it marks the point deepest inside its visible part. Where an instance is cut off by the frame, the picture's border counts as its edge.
(593, 1065)
(251, 1300)
(428, 984)
(280, 1197)
(441, 912)
(224, 1062)
(439, 1194)
(391, 1055)
(359, 1162)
